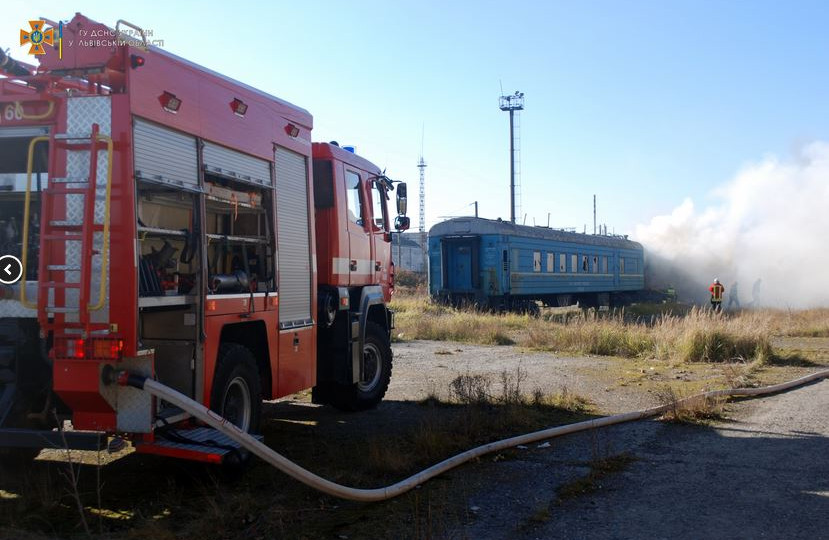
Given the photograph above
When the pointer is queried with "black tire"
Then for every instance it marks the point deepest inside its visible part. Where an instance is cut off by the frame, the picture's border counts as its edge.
(378, 365)
(237, 387)
(31, 371)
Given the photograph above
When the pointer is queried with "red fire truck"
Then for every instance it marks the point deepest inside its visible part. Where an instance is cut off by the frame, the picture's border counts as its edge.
(181, 225)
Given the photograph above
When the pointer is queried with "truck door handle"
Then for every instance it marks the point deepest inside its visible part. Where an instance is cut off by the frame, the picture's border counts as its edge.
(378, 265)
(353, 265)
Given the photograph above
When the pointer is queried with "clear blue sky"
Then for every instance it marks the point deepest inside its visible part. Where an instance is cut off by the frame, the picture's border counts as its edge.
(643, 103)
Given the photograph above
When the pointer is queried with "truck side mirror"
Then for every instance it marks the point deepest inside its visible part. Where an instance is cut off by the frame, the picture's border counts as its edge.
(401, 200)
(401, 223)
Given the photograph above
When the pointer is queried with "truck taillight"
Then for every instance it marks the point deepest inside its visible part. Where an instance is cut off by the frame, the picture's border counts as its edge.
(95, 349)
(75, 348)
(70, 348)
(109, 349)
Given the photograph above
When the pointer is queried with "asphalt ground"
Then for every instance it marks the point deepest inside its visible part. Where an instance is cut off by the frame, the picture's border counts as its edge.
(762, 473)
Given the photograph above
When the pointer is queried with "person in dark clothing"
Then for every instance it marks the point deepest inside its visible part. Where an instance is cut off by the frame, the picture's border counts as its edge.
(733, 297)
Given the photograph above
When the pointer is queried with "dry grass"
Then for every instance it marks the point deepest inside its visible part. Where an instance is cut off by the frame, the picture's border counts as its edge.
(480, 409)
(690, 409)
(419, 318)
(563, 399)
(804, 323)
(697, 335)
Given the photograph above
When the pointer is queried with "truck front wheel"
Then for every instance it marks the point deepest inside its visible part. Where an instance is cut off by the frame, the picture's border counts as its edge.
(377, 365)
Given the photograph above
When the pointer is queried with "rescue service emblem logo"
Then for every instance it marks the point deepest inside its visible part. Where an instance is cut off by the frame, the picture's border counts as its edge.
(37, 37)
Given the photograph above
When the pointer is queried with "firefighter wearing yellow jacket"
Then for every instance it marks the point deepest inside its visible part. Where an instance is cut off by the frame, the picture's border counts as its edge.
(716, 289)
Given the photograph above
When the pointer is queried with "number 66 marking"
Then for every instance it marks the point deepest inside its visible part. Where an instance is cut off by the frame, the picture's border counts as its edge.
(13, 111)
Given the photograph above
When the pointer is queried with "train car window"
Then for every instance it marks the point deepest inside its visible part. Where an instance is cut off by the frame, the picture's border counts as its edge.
(562, 262)
(595, 264)
(355, 206)
(536, 261)
(574, 263)
(584, 263)
(621, 265)
(604, 264)
(551, 262)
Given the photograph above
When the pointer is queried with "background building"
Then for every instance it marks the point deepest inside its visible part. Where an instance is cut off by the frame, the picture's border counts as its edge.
(408, 251)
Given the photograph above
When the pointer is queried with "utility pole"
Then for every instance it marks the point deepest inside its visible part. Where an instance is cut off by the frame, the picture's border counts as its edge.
(512, 103)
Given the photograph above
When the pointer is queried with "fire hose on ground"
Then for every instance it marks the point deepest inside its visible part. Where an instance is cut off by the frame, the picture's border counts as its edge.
(203, 414)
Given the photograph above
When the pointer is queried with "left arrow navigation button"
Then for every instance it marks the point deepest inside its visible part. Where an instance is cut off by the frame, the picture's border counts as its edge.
(11, 269)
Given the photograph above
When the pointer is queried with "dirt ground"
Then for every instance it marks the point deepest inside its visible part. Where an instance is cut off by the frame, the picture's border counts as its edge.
(535, 492)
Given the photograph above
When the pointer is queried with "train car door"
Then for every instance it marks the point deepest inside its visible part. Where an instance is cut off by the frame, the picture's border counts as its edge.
(461, 269)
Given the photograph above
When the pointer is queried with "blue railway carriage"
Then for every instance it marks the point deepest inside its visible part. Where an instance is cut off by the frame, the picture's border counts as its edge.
(501, 265)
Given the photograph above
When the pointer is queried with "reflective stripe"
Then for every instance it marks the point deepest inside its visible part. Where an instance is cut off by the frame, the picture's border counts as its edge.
(341, 265)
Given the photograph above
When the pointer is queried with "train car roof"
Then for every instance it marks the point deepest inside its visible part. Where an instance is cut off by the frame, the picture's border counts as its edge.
(471, 225)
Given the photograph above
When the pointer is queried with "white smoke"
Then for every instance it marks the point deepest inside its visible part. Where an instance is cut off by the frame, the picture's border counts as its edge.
(772, 224)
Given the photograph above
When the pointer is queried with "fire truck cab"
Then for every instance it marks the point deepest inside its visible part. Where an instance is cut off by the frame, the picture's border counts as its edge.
(181, 225)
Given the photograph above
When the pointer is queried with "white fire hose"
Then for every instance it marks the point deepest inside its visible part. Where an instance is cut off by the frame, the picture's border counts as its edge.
(305, 476)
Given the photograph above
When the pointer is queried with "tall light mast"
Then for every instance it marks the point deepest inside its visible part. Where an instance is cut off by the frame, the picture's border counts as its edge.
(512, 103)
(421, 164)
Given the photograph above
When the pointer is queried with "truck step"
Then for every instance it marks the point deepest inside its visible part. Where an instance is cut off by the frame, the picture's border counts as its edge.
(73, 137)
(70, 180)
(59, 285)
(73, 225)
(63, 224)
(199, 444)
(64, 237)
(59, 309)
(80, 190)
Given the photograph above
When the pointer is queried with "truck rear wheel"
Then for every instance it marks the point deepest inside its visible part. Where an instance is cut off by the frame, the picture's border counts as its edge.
(377, 366)
(237, 389)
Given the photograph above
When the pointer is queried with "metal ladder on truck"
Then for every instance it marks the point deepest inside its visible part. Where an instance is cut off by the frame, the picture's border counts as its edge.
(55, 273)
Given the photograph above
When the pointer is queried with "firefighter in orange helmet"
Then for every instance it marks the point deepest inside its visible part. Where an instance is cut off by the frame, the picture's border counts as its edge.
(717, 291)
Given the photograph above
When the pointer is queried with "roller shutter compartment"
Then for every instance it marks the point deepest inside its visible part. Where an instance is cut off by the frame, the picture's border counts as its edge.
(294, 242)
(164, 155)
(236, 165)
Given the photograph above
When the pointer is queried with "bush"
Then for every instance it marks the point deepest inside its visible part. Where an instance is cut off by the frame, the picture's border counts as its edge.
(699, 335)
(407, 278)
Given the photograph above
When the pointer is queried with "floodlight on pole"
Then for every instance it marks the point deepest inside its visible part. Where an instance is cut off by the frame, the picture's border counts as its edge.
(512, 103)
